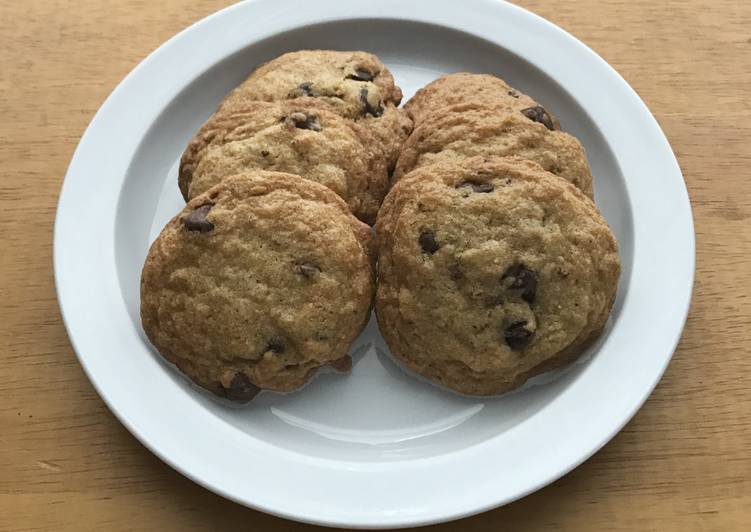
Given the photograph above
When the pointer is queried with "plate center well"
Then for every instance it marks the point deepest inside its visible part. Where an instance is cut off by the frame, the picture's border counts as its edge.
(378, 412)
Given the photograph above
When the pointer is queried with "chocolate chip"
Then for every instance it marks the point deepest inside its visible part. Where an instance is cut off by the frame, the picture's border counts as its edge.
(303, 121)
(369, 109)
(241, 389)
(539, 114)
(275, 345)
(476, 187)
(196, 220)
(264, 153)
(513, 93)
(523, 279)
(305, 88)
(428, 242)
(362, 75)
(343, 364)
(308, 269)
(517, 335)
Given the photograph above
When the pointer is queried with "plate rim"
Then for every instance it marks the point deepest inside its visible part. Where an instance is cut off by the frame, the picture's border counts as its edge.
(74, 313)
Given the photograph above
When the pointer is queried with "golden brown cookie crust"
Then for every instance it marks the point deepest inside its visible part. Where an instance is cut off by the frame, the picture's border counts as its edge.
(302, 137)
(466, 87)
(337, 77)
(257, 283)
(473, 129)
(357, 85)
(491, 272)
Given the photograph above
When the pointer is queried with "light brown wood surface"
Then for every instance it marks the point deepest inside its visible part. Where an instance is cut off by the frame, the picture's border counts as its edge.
(683, 463)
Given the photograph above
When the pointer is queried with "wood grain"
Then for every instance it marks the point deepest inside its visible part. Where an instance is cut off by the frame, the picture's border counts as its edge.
(683, 463)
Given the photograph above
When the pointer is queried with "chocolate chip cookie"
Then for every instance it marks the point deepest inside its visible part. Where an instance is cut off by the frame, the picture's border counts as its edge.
(464, 87)
(302, 137)
(490, 272)
(257, 283)
(357, 85)
(478, 129)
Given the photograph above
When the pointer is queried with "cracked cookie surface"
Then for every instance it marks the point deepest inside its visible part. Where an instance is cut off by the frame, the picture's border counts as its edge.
(478, 129)
(257, 283)
(466, 87)
(357, 85)
(490, 272)
(302, 137)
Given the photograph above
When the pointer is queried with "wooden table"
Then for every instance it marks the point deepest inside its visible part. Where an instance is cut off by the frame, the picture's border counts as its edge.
(682, 463)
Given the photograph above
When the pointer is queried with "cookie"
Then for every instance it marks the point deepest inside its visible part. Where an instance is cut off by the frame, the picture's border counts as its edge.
(302, 137)
(258, 283)
(464, 87)
(357, 85)
(474, 129)
(490, 272)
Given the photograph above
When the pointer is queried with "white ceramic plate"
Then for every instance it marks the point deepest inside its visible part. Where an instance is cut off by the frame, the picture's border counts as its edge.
(376, 448)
